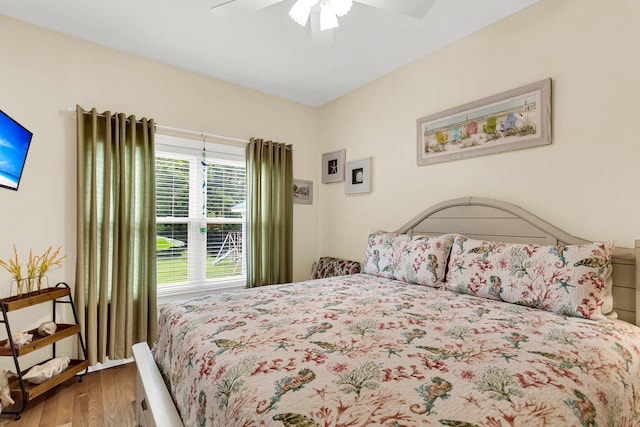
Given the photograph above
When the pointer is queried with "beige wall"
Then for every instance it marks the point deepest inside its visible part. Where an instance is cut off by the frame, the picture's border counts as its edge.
(585, 182)
(42, 73)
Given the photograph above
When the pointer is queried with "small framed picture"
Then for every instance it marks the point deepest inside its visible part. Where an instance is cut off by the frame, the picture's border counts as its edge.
(302, 192)
(358, 176)
(333, 167)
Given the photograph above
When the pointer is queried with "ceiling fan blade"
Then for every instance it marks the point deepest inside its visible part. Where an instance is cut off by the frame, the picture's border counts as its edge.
(233, 8)
(414, 8)
(321, 41)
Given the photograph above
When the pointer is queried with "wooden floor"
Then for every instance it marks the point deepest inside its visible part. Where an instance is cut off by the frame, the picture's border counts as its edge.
(103, 398)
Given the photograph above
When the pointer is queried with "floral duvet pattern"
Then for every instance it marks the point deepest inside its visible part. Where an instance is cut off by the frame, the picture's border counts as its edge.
(361, 350)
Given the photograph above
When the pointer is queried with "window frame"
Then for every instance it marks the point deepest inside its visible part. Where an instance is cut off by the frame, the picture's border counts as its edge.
(189, 149)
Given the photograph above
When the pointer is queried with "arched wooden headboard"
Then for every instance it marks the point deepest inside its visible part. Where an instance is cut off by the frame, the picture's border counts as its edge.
(489, 219)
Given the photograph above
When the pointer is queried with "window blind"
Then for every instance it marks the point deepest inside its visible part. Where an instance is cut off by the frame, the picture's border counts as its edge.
(200, 214)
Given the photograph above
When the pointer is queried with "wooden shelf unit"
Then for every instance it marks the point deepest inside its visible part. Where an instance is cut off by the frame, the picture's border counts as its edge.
(23, 391)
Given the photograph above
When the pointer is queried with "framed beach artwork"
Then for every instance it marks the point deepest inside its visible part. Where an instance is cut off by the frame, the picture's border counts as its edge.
(358, 176)
(519, 118)
(302, 191)
(333, 167)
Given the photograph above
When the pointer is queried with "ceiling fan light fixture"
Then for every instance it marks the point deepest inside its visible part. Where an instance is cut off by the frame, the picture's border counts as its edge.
(328, 18)
(300, 11)
(341, 7)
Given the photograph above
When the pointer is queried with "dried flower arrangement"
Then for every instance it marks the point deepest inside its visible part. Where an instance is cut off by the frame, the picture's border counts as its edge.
(37, 267)
(14, 268)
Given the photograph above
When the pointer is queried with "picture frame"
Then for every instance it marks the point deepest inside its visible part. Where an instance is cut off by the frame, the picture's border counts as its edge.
(358, 176)
(302, 192)
(511, 120)
(333, 166)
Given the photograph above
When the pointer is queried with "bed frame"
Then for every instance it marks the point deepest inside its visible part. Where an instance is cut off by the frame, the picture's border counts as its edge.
(474, 217)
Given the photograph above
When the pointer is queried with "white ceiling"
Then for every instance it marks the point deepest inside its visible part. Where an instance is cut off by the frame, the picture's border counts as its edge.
(265, 50)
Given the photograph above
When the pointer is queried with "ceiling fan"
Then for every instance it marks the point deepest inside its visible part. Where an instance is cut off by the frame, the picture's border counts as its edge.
(323, 14)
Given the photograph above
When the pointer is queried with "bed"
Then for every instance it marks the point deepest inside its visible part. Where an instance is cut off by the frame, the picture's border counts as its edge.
(474, 313)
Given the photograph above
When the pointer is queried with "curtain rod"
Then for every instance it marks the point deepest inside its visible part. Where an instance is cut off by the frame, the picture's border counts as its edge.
(202, 134)
(184, 131)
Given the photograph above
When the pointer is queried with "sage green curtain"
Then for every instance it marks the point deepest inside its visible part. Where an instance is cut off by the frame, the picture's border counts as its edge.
(269, 236)
(115, 271)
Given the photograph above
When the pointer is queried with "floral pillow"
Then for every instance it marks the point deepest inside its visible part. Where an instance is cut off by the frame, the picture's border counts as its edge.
(569, 279)
(419, 259)
(329, 267)
(424, 260)
(383, 254)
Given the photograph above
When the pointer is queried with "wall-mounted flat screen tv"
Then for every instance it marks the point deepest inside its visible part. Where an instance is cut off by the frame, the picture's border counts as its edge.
(14, 145)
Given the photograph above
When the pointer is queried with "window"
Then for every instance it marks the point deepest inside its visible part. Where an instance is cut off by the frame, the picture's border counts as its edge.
(199, 215)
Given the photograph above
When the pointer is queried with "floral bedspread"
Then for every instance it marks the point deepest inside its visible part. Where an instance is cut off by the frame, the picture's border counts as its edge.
(362, 350)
